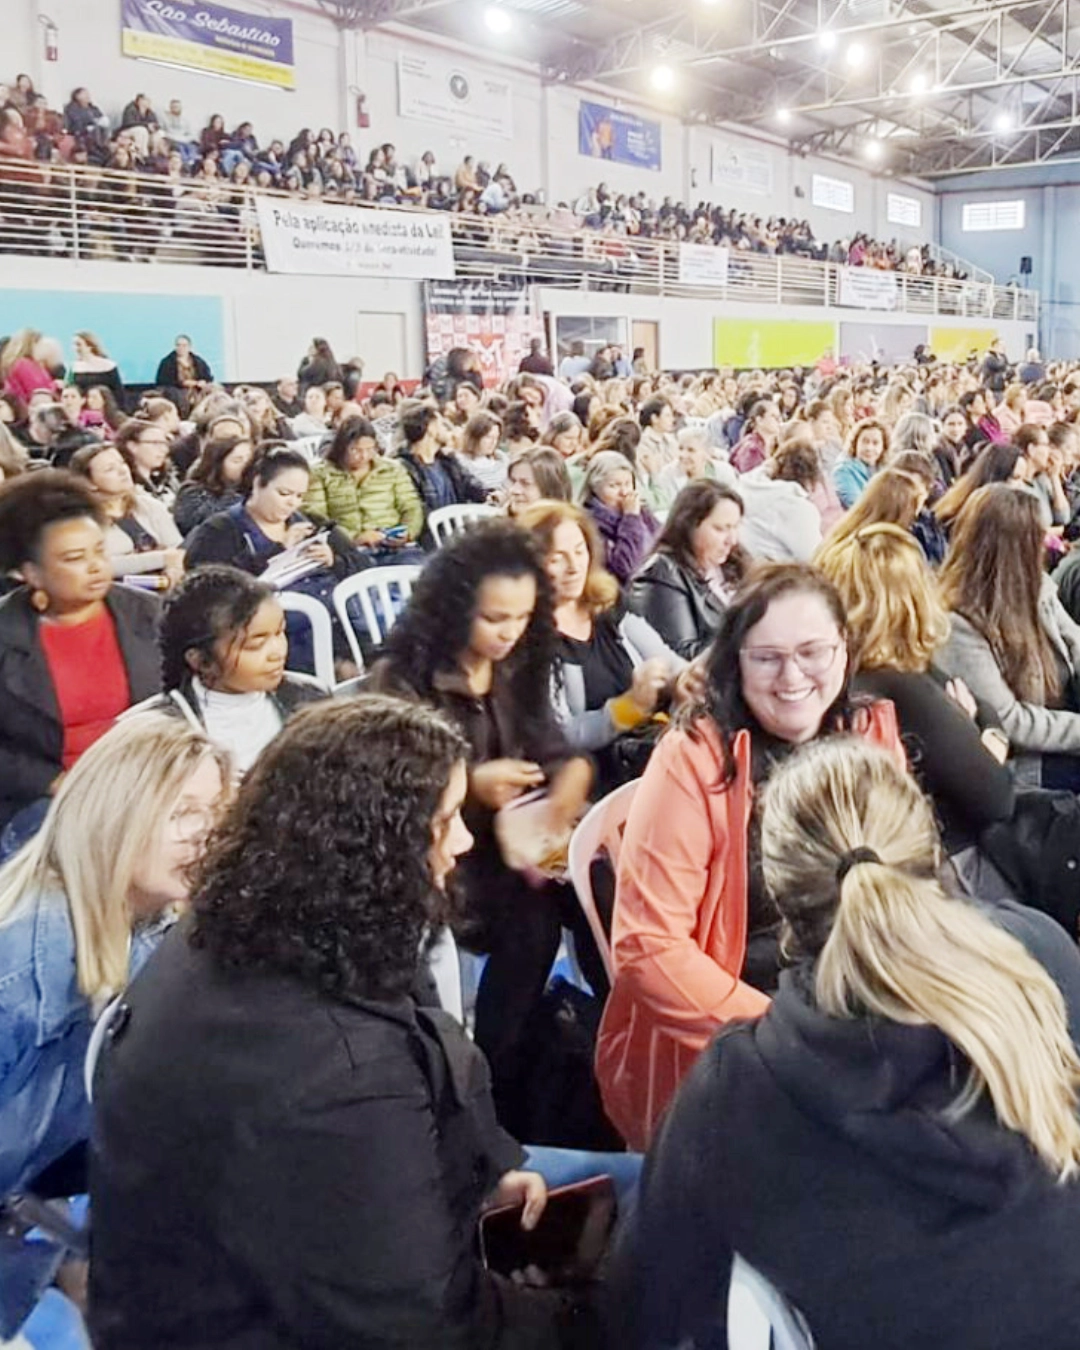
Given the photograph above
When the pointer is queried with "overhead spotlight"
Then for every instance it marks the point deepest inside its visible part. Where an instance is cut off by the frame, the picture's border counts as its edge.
(662, 79)
(855, 55)
(920, 82)
(827, 40)
(498, 19)
(873, 149)
(783, 116)
(1003, 121)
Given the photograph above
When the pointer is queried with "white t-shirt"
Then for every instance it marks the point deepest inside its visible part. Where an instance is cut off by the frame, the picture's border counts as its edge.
(242, 724)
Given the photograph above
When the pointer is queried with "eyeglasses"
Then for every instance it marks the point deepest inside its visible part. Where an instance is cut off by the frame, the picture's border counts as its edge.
(192, 822)
(812, 658)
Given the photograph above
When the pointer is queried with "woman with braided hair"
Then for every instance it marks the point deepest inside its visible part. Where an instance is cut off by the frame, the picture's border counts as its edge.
(223, 653)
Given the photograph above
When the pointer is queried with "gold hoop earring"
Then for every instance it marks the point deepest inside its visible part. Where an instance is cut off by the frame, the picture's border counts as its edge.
(40, 600)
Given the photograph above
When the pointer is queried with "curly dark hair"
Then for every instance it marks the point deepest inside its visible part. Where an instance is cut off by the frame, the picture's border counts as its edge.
(31, 503)
(723, 702)
(433, 632)
(696, 502)
(325, 876)
(210, 604)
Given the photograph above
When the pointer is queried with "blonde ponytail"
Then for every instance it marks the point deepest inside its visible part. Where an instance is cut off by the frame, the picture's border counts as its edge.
(890, 942)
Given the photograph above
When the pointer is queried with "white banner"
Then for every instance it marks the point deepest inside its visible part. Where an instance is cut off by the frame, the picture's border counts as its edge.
(867, 288)
(739, 166)
(354, 241)
(452, 94)
(703, 265)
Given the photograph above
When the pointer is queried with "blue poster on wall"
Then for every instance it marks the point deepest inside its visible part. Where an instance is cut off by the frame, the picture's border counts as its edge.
(621, 137)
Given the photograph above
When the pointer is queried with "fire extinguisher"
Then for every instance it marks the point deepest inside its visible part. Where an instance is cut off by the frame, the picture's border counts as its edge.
(363, 118)
(52, 39)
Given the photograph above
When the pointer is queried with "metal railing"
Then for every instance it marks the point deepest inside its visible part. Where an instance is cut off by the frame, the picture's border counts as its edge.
(86, 213)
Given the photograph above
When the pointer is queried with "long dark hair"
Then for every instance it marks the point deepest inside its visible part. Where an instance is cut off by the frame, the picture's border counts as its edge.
(993, 576)
(207, 469)
(723, 702)
(211, 603)
(433, 632)
(351, 430)
(696, 502)
(325, 876)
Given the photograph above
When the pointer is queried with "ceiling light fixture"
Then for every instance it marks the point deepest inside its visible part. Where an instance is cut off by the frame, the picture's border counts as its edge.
(855, 54)
(920, 82)
(497, 19)
(1003, 121)
(662, 79)
(783, 116)
(873, 149)
(827, 40)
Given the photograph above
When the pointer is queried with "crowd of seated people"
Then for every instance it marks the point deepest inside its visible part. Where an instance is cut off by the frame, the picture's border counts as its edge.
(195, 183)
(821, 623)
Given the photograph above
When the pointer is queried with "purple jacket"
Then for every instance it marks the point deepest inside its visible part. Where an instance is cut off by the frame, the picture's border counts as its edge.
(627, 539)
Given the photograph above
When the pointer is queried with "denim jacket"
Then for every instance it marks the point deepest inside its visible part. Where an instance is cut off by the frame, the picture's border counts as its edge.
(45, 1025)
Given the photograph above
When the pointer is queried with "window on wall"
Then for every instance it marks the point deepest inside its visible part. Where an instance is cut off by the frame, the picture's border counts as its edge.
(834, 194)
(993, 216)
(901, 210)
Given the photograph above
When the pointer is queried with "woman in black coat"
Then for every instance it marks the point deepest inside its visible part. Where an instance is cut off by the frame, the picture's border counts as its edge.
(895, 1144)
(75, 650)
(682, 589)
(346, 1139)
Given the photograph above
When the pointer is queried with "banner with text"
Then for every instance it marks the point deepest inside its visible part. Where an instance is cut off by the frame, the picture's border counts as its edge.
(740, 167)
(867, 288)
(495, 319)
(436, 88)
(353, 241)
(208, 37)
(622, 137)
(703, 265)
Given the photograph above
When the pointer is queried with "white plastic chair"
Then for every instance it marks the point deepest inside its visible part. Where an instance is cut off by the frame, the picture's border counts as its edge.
(379, 591)
(758, 1315)
(446, 521)
(322, 631)
(97, 1040)
(602, 828)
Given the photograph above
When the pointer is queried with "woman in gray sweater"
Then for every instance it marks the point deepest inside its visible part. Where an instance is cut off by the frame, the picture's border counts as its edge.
(1011, 641)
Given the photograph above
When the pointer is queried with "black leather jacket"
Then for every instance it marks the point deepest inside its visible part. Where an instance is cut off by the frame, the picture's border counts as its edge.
(678, 604)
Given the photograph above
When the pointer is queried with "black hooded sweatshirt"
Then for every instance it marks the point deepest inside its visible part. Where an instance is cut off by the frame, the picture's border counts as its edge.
(818, 1149)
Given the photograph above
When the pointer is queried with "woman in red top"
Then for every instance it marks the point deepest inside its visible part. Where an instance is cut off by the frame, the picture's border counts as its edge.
(75, 650)
(24, 364)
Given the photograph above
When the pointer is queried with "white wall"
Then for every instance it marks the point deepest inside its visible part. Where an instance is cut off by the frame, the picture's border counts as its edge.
(375, 66)
(790, 172)
(90, 54)
(269, 320)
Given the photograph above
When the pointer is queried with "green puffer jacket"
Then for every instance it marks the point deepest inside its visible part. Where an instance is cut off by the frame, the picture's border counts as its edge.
(385, 498)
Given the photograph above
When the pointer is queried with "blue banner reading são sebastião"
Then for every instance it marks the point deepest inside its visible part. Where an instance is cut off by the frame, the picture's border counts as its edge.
(209, 37)
(621, 137)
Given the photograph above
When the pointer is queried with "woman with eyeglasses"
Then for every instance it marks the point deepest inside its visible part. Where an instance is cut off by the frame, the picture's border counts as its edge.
(82, 905)
(695, 936)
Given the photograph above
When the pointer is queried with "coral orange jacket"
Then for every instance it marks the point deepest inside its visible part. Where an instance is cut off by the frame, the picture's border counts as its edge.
(679, 929)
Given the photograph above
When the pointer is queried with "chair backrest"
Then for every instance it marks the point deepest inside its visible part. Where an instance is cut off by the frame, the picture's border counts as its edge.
(322, 631)
(445, 521)
(602, 828)
(380, 592)
(758, 1315)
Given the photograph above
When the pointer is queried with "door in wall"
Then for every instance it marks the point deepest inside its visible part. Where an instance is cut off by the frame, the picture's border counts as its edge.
(645, 333)
(380, 344)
